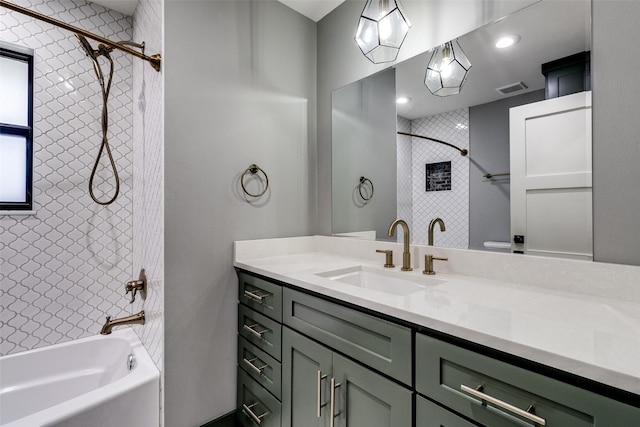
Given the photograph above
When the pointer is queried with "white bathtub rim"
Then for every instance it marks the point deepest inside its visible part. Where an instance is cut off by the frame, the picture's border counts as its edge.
(144, 372)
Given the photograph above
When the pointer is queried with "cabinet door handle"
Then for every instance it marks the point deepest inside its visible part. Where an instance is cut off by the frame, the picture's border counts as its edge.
(256, 418)
(253, 294)
(251, 330)
(504, 405)
(321, 404)
(333, 415)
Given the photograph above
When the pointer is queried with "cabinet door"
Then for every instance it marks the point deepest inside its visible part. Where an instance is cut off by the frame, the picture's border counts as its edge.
(367, 399)
(306, 367)
(428, 414)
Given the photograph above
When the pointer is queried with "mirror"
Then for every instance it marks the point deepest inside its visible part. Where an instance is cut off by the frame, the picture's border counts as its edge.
(476, 209)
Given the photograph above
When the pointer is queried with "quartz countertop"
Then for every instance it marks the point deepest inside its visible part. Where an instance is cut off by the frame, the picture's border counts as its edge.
(595, 337)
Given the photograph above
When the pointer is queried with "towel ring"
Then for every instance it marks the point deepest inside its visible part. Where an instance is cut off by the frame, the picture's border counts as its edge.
(254, 169)
(363, 181)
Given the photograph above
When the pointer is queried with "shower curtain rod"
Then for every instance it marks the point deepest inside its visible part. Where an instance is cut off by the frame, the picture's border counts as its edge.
(154, 60)
(462, 151)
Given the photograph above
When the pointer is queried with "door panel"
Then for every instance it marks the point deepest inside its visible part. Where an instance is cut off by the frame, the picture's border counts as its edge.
(359, 406)
(302, 359)
(550, 145)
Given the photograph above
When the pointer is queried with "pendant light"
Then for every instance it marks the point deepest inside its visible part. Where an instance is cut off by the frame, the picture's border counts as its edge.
(382, 28)
(447, 70)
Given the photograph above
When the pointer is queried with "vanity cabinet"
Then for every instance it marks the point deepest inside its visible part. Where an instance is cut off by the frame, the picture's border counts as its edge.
(318, 381)
(300, 354)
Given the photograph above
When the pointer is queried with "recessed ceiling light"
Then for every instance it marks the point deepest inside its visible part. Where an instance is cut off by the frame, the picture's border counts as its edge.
(402, 100)
(507, 41)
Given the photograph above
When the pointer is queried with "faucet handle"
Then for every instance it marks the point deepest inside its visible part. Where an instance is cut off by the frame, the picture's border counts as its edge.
(388, 260)
(428, 264)
(134, 286)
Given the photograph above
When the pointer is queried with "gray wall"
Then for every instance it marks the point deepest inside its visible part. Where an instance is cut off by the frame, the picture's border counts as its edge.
(616, 131)
(341, 62)
(240, 84)
(489, 203)
(364, 144)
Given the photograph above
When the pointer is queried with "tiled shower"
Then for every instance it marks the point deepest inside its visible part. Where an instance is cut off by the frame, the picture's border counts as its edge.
(62, 268)
(420, 205)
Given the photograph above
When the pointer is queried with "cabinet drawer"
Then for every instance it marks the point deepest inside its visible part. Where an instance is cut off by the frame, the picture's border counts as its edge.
(261, 295)
(428, 414)
(259, 330)
(453, 376)
(260, 366)
(378, 343)
(256, 407)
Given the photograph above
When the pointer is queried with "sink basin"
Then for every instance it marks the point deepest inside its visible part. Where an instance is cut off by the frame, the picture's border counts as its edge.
(390, 282)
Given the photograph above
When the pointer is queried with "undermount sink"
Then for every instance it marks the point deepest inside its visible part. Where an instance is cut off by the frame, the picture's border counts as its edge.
(391, 282)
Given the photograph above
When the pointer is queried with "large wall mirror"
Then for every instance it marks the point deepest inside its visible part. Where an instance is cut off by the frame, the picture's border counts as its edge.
(487, 196)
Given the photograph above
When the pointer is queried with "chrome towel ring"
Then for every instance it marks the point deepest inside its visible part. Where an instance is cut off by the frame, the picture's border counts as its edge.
(363, 182)
(253, 169)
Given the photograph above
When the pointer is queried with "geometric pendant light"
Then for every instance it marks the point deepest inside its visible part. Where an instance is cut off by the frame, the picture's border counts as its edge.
(381, 30)
(447, 70)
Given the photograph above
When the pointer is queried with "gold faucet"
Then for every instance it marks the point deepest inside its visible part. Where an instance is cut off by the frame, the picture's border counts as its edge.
(432, 225)
(406, 255)
(134, 319)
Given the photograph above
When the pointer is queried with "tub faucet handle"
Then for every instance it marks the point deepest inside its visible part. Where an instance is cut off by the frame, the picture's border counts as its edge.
(134, 286)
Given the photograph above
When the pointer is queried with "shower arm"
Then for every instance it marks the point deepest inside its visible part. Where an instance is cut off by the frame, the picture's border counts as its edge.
(154, 60)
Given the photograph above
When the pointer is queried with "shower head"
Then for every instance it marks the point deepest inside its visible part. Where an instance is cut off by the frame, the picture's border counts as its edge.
(91, 52)
(88, 50)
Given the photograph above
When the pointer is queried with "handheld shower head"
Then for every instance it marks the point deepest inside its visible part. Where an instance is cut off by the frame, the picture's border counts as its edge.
(91, 52)
(88, 50)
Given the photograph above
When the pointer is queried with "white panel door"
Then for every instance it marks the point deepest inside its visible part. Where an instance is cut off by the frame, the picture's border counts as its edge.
(550, 148)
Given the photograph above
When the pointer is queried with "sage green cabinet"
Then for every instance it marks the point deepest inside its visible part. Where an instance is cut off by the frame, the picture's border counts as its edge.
(260, 295)
(428, 414)
(256, 406)
(498, 394)
(383, 345)
(297, 350)
(305, 381)
(361, 397)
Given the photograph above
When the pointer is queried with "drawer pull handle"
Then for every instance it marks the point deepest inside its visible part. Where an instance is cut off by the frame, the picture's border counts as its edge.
(248, 412)
(504, 405)
(253, 294)
(334, 414)
(249, 363)
(251, 330)
(321, 404)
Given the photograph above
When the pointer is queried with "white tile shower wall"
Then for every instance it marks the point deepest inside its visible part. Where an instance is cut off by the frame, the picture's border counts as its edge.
(405, 176)
(148, 199)
(62, 269)
(452, 206)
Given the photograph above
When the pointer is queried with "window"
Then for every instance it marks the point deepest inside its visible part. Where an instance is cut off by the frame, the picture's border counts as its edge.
(16, 128)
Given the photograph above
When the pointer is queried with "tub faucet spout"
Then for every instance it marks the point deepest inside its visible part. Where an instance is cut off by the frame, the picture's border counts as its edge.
(406, 255)
(134, 319)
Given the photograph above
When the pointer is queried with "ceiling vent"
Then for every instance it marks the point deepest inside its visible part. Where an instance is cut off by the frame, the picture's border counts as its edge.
(514, 87)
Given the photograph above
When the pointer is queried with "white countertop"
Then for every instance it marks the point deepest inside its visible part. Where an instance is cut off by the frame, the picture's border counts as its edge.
(591, 336)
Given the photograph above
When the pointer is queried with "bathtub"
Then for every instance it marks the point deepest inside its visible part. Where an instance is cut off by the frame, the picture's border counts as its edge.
(81, 383)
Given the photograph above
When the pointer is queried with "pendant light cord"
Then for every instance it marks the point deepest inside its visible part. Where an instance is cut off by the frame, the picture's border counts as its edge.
(104, 50)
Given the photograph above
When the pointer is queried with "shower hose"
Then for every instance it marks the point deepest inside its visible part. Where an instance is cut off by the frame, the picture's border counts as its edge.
(104, 51)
